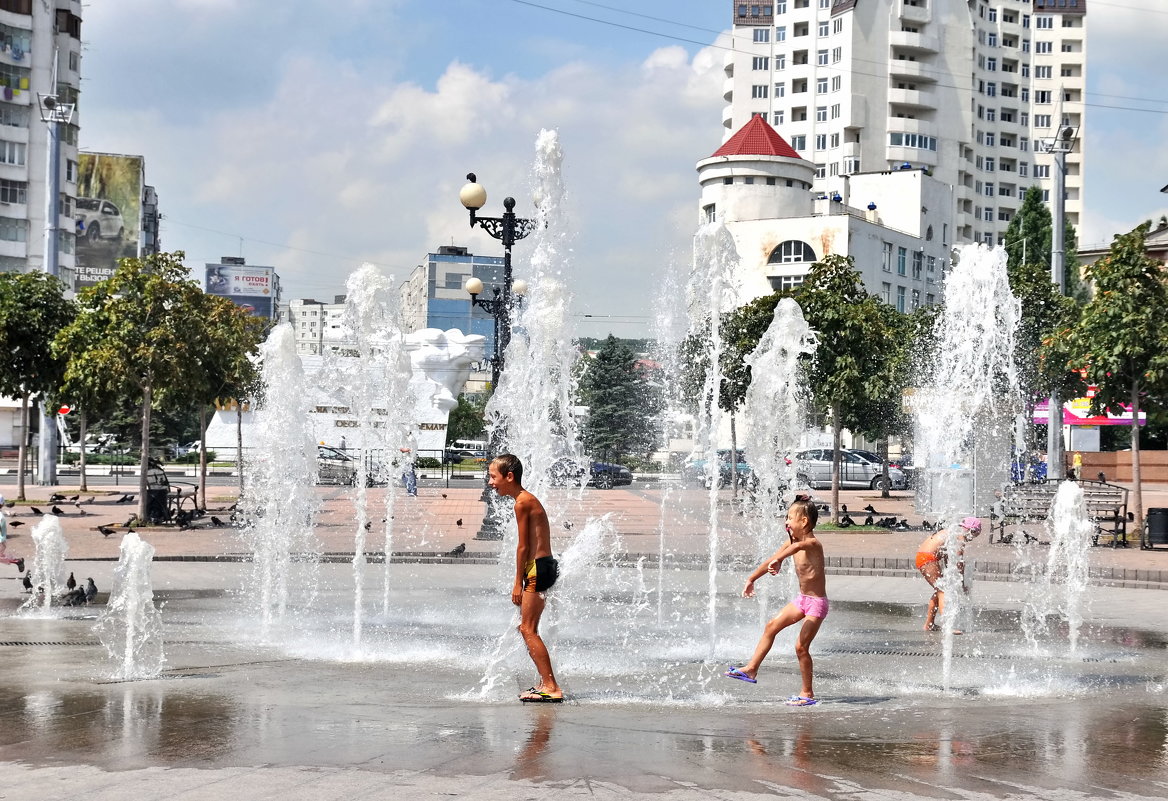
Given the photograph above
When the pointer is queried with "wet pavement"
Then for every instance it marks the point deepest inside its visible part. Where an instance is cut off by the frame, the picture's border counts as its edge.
(301, 712)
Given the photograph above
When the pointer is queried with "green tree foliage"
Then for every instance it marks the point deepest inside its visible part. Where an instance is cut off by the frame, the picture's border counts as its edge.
(32, 311)
(466, 420)
(1028, 243)
(1121, 334)
(623, 403)
(854, 367)
(139, 330)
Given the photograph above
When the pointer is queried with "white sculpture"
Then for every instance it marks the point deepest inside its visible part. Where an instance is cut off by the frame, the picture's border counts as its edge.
(442, 362)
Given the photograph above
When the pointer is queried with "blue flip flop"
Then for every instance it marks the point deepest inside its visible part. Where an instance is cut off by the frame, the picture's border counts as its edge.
(799, 700)
(735, 673)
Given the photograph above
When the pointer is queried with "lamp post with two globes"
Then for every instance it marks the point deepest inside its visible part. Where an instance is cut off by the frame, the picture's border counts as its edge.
(508, 229)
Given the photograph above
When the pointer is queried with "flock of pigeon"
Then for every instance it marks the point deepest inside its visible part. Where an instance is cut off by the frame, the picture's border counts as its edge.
(892, 523)
(72, 595)
(185, 518)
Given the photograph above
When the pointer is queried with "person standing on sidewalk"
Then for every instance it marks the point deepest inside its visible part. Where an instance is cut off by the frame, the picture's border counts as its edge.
(4, 557)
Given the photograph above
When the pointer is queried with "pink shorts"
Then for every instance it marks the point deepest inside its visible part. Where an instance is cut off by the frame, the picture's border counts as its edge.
(811, 605)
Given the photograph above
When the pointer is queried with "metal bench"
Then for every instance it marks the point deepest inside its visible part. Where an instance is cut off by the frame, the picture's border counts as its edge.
(1027, 503)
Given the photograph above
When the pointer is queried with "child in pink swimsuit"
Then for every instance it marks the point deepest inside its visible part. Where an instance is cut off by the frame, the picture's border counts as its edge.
(810, 605)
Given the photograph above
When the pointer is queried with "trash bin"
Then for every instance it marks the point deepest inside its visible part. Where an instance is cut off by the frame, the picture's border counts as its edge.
(1157, 526)
(156, 504)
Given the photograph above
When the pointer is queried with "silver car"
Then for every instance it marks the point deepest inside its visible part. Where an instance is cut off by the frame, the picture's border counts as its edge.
(813, 468)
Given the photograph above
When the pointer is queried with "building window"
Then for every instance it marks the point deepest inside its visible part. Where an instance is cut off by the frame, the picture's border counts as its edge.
(919, 141)
(13, 230)
(781, 6)
(1044, 48)
(790, 252)
(886, 258)
(901, 261)
(821, 58)
(821, 141)
(851, 164)
(835, 111)
(781, 89)
(835, 140)
(837, 25)
(932, 265)
(13, 152)
(918, 264)
(13, 191)
(820, 170)
(821, 113)
(989, 164)
(762, 35)
(821, 86)
(1023, 169)
(759, 90)
(1043, 22)
(823, 28)
(799, 142)
(900, 299)
(989, 189)
(1041, 120)
(785, 283)
(836, 83)
(710, 213)
(1041, 170)
(778, 118)
(761, 63)
(780, 62)
(781, 33)
(886, 292)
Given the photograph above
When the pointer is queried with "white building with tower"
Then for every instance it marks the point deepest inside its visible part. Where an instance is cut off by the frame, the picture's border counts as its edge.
(966, 89)
(896, 224)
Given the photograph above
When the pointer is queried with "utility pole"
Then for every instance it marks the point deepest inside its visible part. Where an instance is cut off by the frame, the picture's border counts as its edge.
(1062, 144)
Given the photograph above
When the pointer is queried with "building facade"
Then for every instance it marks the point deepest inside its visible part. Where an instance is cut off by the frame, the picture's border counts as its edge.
(434, 296)
(40, 55)
(969, 90)
(895, 224)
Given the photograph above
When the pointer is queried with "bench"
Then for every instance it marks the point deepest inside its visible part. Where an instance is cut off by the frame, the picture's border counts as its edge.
(175, 502)
(1026, 503)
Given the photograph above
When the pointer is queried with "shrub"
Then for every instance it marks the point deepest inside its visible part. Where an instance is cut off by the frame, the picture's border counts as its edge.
(428, 461)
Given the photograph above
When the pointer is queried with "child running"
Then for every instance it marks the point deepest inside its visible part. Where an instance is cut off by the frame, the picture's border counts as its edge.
(536, 570)
(810, 605)
(931, 558)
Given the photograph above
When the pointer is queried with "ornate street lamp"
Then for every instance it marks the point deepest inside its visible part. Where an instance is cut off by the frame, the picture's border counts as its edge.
(508, 229)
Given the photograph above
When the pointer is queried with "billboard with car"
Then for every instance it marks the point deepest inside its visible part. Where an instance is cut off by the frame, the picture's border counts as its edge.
(108, 213)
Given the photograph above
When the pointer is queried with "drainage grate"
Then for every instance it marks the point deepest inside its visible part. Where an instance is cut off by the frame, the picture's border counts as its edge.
(19, 643)
(927, 654)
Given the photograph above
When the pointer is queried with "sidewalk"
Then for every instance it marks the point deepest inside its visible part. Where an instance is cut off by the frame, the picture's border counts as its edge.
(649, 519)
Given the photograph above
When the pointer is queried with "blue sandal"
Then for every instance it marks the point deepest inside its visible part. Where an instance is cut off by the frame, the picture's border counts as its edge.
(736, 673)
(800, 700)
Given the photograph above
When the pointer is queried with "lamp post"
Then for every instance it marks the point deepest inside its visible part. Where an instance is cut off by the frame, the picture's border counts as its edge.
(54, 114)
(508, 229)
(1059, 146)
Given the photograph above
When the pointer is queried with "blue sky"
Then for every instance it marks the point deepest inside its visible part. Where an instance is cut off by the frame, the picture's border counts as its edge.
(316, 134)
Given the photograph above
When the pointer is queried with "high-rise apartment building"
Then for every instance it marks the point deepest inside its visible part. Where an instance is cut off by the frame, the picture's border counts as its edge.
(968, 89)
(40, 54)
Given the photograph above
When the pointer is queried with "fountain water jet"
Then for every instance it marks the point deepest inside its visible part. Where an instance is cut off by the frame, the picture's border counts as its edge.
(46, 570)
(966, 408)
(278, 504)
(130, 627)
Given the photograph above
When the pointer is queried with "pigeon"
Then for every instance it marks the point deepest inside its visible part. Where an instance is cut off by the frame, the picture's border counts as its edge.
(231, 508)
(71, 582)
(58, 511)
(106, 530)
(846, 522)
(16, 523)
(369, 525)
(74, 498)
(90, 590)
(55, 497)
(1102, 477)
(9, 504)
(89, 499)
(844, 508)
(869, 520)
(458, 522)
(444, 495)
(927, 525)
(870, 508)
(36, 511)
(458, 550)
(125, 499)
(567, 525)
(130, 521)
(27, 582)
(216, 521)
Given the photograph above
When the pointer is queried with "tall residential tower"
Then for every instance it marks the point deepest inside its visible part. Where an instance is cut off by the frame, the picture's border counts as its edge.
(970, 90)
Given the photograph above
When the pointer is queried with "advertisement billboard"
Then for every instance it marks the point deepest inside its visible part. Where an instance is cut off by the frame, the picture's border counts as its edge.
(108, 213)
(254, 289)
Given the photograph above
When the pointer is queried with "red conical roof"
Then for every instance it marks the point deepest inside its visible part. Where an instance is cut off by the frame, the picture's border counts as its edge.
(756, 138)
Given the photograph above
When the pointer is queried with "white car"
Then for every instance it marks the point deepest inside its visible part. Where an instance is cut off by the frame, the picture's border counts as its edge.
(99, 219)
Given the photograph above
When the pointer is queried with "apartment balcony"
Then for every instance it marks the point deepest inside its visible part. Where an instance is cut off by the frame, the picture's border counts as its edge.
(912, 155)
(913, 98)
(914, 14)
(914, 42)
(903, 68)
(907, 125)
(728, 89)
(16, 250)
(850, 150)
(728, 116)
(728, 63)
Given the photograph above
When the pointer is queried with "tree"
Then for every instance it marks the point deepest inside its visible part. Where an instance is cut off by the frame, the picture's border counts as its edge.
(856, 351)
(1120, 337)
(466, 420)
(138, 330)
(621, 402)
(1029, 232)
(32, 310)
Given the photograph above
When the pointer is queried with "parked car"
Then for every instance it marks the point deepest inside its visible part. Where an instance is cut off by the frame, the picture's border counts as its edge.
(899, 461)
(569, 472)
(694, 470)
(99, 219)
(460, 455)
(813, 468)
(335, 466)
